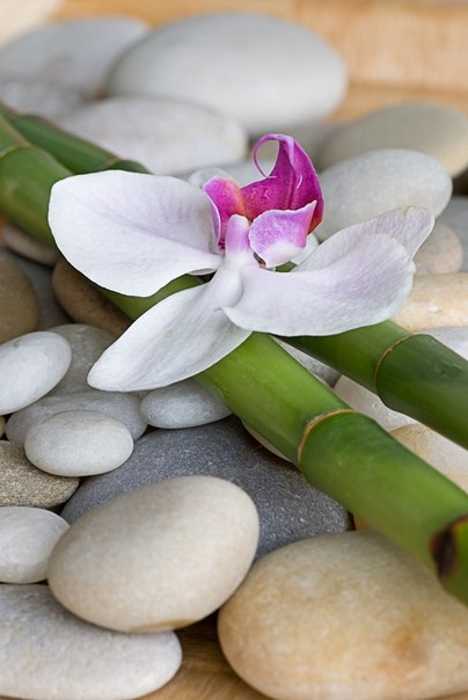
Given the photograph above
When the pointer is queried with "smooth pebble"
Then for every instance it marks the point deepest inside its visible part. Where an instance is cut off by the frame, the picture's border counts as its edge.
(182, 405)
(46, 653)
(2, 425)
(345, 617)
(236, 82)
(37, 96)
(455, 216)
(441, 253)
(27, 246)
(447, 457)
(27, 538)
(437, 130)
(83, 302)
(51, 312)
(289, 508)
(19, 310)
(184, 545)
(87, 344)
(58, 50)
(31, 366)
(122, 407)
(78, 443)
(21, 484)
(165, 135)
(435, 301)
(358, 189)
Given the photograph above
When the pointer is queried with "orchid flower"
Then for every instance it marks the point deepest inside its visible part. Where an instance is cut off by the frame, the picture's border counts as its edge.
(134, 233)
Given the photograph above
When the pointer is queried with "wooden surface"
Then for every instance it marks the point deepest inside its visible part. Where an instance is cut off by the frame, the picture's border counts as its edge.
(395, 51)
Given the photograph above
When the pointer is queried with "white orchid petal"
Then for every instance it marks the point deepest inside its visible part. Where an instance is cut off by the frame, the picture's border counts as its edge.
(179, 337)
(363, 286)
(410, 227)
(132, 233)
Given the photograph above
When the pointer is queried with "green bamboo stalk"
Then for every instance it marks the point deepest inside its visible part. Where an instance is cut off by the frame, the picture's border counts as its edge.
(76, 154)
(344, 453)
(416, 375)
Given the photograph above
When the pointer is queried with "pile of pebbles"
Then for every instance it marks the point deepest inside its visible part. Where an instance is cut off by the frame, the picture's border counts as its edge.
(147, 512)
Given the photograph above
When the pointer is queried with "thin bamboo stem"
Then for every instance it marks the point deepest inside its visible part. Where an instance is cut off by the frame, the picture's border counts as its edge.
(340, 451)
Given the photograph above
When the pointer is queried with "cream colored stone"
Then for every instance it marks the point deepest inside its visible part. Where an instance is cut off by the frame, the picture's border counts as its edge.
(441, 253)
(436, 301)
(437, 130)
(345, 617)
(157, 558)
(443, 454)
(19, 309)
(27, 246)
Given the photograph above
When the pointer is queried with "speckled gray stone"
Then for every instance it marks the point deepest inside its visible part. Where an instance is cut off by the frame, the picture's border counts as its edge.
(21, 484)
(288, 507)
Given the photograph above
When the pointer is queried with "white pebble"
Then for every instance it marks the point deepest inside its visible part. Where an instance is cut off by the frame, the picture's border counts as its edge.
(78, 443)
(27, 538)
(87, 344)
(123, 407)
(157, 558)
(182, 405)
(30, 366)
(361, 188)
(267, 73)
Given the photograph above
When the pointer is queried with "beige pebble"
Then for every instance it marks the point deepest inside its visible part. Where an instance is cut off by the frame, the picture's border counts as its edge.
(83, 302)
(21, 484)
(27, 246)
(157, 558)
(19, 310)
(345, 617)
(437, 450)
(436, 301)
(441, 253)
(437, 130)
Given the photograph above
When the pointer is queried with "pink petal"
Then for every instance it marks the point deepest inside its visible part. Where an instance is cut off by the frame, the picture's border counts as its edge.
(227, 197)
(277, 236)
(292, 183)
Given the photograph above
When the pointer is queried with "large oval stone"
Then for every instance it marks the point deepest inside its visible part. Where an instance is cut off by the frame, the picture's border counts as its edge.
(345, 617)
(158, 558)
(263, 71)
(438, 130)
(358, 189)
(47, 653)
(19, 310)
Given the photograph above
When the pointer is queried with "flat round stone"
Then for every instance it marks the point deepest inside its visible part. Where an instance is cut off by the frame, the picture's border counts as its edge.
(27, 246)
(19, 310)
(441, 253)
(122, 407)
(289, 508)
(166, 135)
(27, 538)
(46, 99)
(78, 443)
(182, 405)
(58, 50)
(72, 659)
(358, 189)
(84, 303)
(435, 301)
(345, 617)
(87, 344)
(228, 54)
(31, 366)
(21, 484)
(437, 130)
(184, 545)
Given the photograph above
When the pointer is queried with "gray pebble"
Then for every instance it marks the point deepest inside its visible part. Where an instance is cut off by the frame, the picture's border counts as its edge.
(289, 509)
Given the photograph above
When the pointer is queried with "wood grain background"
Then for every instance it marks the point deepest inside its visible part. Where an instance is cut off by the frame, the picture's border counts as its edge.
(395, 51)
